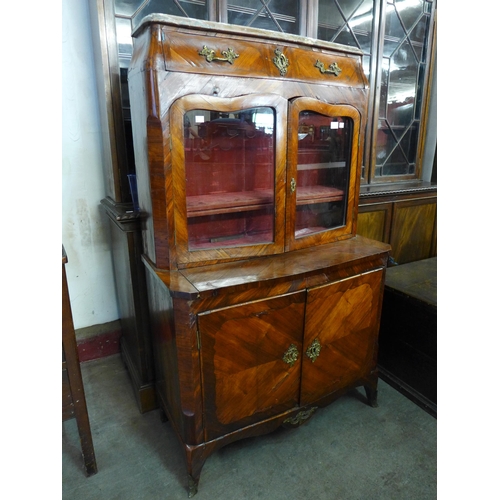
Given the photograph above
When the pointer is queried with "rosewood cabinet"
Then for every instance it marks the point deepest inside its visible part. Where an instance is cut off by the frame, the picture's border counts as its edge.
(264, 303)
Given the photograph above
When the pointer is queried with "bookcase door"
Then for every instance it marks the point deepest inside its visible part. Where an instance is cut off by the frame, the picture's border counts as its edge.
(322, 165)
(228, 171)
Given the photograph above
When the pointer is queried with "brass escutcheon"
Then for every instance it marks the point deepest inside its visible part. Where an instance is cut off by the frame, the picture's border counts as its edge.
(291, 355)
(333, 69)
(313, 350)
(293, 185)
(228, 55)
(281, 62)
(300, 417)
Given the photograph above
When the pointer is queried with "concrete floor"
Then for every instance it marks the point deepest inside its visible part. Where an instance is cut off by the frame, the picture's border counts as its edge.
(347, 451)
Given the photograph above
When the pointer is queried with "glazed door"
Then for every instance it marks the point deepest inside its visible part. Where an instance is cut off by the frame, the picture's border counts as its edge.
(340, 338)
(228, 171)
(323, 142)
(250, 361)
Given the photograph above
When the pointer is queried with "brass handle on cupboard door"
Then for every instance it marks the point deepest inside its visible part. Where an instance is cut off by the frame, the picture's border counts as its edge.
(291, 355)
(228, 55)
(313, 350)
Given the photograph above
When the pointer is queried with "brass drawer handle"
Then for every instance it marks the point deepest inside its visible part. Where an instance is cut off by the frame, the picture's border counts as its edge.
(333, 69)
(293, 185)
(228, 55)
(313, 350)
(291, 355)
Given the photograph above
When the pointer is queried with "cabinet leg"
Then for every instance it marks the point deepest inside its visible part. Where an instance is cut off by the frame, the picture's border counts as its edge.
(371, 395)
(195, 458)
(192, 486)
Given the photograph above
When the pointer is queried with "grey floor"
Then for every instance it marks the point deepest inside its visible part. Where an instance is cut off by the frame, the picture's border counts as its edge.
(347, 451)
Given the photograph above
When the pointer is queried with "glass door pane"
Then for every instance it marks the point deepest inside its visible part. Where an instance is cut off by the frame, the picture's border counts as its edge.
(228, 171)
(323, 161)
(403, 72)
(274, 15)
(322, 172)
(229, 161)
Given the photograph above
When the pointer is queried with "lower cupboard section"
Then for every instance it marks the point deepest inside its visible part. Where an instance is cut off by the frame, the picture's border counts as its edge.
(264, 357)
(239, 361)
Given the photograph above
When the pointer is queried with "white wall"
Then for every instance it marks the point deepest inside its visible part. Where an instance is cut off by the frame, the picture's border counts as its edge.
(84, 230)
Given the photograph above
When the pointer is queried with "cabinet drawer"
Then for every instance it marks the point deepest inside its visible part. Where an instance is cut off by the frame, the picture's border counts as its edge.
(247, 355)
(239, 57)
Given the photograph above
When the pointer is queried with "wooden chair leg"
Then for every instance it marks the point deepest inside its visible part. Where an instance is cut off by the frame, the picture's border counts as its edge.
(77, 406)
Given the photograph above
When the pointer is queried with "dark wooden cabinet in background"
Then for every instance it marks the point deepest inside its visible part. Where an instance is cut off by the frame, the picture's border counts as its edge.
(403, 215)
(118, 211)
(408, 332)
(135, 341)
(264, 302)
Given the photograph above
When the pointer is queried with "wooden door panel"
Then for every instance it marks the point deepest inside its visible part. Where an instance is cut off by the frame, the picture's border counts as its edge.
(245, 377)
(374, 221)
(342, 323)
(412, 235)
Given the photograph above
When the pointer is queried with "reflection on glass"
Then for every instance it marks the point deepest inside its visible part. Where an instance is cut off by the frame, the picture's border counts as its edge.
(349, 23)
(229, 161)
(274, 15)
(323, 164)
(403, 69)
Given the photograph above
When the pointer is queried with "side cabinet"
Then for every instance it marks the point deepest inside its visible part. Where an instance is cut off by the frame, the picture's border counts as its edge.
(264, 301)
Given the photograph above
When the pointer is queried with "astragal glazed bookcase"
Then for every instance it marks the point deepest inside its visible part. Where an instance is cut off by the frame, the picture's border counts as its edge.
(265, 304)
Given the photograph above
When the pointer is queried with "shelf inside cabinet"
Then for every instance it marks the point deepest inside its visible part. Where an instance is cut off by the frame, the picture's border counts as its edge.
(229, 202)
(307, 195)
(236, 240)
(245, 201)
(322, 165)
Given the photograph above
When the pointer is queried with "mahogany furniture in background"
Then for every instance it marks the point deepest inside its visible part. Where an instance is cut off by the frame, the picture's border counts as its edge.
(135, 341)
(74, 404)
(264, 302)
(118, 209)
(403, 215)
(408, 332)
